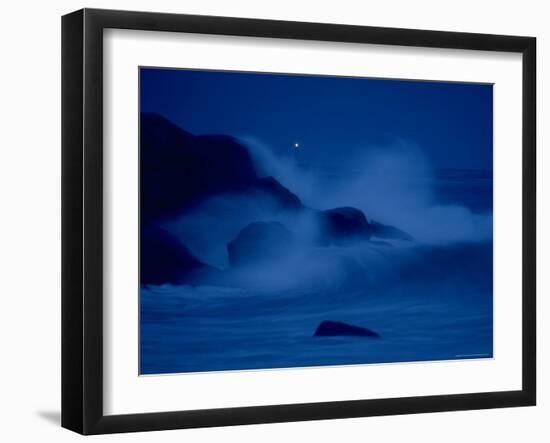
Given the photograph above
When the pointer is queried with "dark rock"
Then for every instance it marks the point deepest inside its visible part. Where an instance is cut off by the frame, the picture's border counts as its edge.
(163, 259)
(329, 328)
(278, 193)
(179, 170)
(258, 243)
(390, 232)
(343, 225)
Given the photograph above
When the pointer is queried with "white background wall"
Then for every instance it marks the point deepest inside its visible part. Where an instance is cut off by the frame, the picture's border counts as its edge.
(30, 219)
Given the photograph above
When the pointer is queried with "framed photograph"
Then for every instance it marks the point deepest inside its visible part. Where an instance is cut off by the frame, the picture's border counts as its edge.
(268, 221)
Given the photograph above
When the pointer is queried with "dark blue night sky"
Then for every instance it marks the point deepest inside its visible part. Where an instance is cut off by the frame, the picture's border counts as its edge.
(450, 122)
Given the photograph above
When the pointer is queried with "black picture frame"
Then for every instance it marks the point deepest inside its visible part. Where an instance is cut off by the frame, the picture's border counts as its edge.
(82, 221)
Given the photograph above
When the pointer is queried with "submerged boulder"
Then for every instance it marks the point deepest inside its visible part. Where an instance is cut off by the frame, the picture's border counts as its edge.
(329, 328)
(389, 232)
(343, 225)
(260, 242)
(178, 170)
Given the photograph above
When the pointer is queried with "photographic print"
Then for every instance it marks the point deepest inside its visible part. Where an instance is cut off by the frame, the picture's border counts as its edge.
(292, 221)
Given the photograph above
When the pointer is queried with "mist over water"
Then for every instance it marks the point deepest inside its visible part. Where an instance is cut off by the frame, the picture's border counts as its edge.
(429, 299)
(394, 184)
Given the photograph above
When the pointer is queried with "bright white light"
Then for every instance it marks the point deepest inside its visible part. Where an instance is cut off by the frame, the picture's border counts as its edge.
(296, 145)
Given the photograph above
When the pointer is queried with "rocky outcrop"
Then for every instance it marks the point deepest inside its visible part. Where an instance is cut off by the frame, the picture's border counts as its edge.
(179, 170)
(329, 328)
(340, 226)
(388, 232)
(281, 196)
(163, 259)
(260, 243)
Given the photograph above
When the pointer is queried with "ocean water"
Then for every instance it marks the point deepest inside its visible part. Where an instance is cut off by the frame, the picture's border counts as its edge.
(428, 300)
